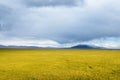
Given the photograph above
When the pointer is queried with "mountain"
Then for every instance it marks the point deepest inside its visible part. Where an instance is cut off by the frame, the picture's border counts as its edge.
(80, 46)
(1, 46)
(85, 47)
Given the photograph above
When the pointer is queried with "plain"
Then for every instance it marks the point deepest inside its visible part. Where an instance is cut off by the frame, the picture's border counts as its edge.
(59, 64)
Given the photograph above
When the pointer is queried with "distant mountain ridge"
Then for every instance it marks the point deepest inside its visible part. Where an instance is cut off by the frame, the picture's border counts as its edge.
(80, 46)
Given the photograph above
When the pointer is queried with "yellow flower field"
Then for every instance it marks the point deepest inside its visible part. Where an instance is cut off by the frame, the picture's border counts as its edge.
(59, 64)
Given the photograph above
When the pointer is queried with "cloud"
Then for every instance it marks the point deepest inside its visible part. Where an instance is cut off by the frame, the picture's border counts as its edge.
(109, 43)
(53, 3)
(36, 43)
(62, 21)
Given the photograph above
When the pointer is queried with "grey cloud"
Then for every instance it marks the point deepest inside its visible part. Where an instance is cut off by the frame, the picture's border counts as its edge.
(63, 24)
(5, 13)
(47, 3)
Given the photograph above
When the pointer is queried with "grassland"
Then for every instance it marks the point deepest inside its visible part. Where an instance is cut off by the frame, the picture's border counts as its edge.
(33, 64)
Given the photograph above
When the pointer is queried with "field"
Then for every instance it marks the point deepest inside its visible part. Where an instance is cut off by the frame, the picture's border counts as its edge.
(59, 64)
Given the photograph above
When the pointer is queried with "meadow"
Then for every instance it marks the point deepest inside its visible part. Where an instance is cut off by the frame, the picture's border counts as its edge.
(59, 64)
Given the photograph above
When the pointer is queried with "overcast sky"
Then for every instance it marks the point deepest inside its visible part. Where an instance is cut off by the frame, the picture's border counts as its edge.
(61, 21)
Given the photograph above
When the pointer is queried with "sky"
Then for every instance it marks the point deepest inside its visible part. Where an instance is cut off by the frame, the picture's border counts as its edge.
(60, 23)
